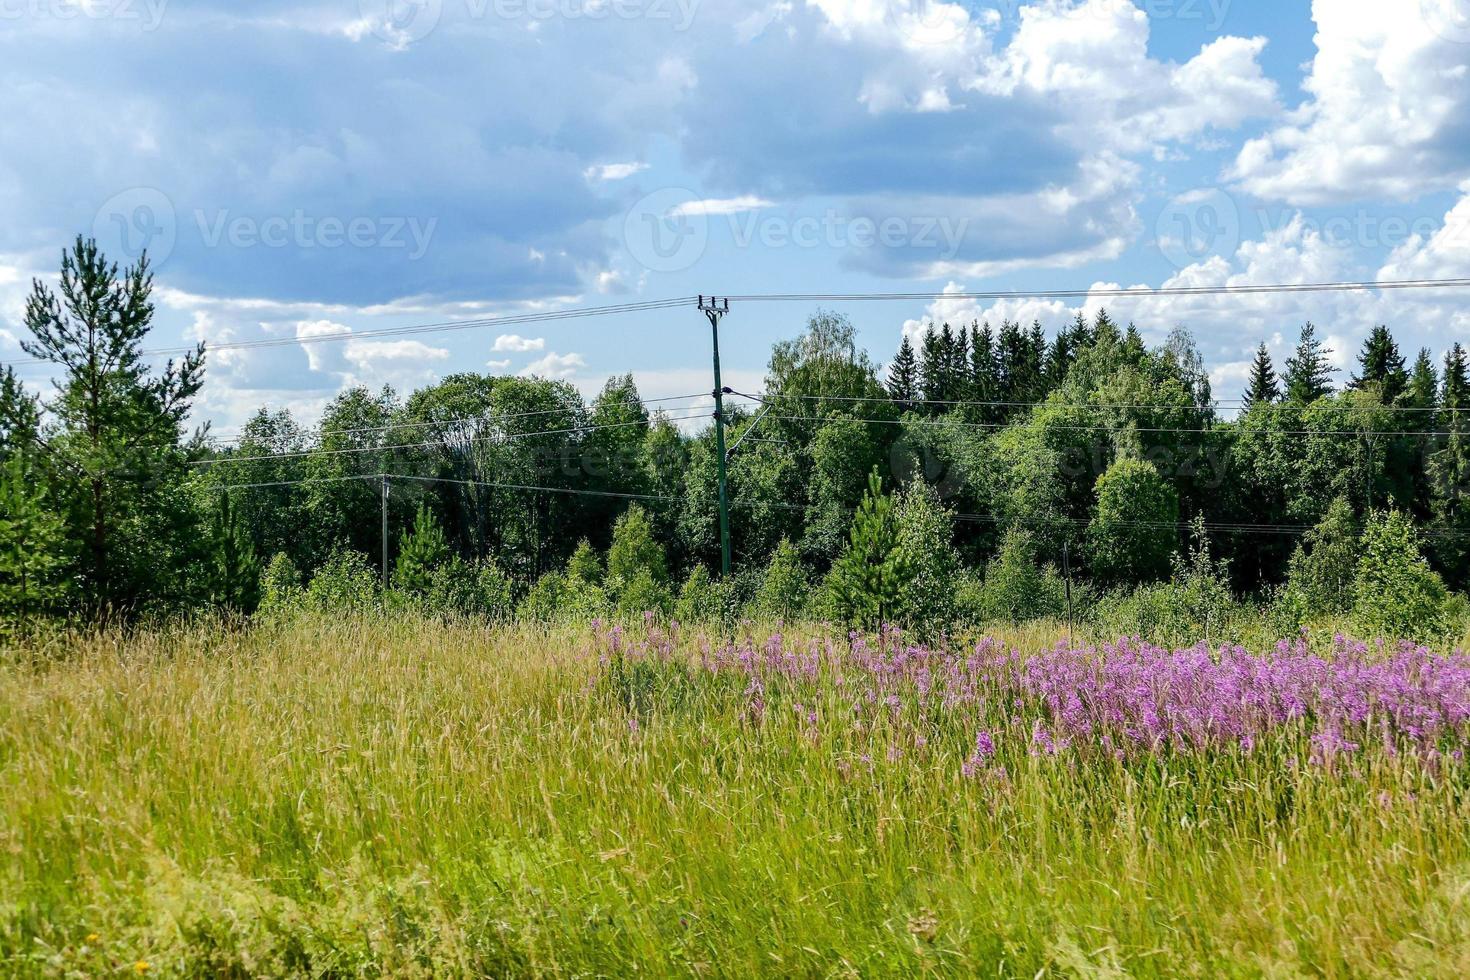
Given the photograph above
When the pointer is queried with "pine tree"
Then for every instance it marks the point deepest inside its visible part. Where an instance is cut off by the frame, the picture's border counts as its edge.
(235, 576)
(116, 446)
(423, 550)
(1381, 363)
(1449, 472)
(1308, 372)
(1263, 388)
(867, 582)
(903, 375)
(1104, 330)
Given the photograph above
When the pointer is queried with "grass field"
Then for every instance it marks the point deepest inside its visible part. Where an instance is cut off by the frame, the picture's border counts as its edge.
(406, 798)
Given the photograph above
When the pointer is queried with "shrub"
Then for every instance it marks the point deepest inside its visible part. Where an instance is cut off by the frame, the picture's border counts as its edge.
(634, 552)
(643, 593)
(345, 581)
(926, 535)
(1320, 577)
(1016, 587)
(785, 587)
(585, 564)
(464, 589)
(1398, 595)
(699, 599)
(280, 585)
(1132, 533)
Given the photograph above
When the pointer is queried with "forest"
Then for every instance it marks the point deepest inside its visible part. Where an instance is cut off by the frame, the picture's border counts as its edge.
(986, 473)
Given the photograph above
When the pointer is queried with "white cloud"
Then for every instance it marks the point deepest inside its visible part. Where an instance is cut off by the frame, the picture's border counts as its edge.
(713, 207)
(554, 366)
(614, 171)
(498, 365)
(1388, 97)
(515, 343)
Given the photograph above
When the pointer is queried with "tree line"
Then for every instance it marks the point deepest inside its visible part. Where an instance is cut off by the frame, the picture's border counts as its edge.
(964, 479)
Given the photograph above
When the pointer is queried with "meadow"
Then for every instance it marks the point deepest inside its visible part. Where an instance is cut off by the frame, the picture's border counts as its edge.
(376, 796)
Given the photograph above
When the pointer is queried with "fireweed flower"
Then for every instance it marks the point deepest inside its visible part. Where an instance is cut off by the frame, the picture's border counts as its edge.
(1118, 700)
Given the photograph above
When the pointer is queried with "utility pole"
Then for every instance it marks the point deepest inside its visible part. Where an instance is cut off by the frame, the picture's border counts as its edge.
(714, 309)
(384, 496)
(1067, 571)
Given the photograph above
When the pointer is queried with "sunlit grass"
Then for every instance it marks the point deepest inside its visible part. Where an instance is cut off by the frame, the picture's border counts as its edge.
(396, 797)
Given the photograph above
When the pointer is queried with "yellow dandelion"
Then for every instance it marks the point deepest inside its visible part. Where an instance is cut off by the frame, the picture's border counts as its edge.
(92, 937)
(141, 966)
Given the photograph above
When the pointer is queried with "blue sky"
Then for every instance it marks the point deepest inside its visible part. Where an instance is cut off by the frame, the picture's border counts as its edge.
(318, 167)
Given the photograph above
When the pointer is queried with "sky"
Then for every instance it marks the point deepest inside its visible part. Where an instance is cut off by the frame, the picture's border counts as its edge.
(314, 167)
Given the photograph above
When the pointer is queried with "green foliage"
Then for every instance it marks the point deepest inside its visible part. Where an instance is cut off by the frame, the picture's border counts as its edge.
(345, 581)
(867, 583)
(1263, 388)
(1398, 595)
(1195, 604)
(644, 593)
(33, 548)
(423, 551)
(480, 590)
(635, 560)
(1017, 587)
(585, 564)
(235, 570)
(699, 599)
(113, 446)
(280, 586)
(559, 598)
(785, 587)
(1309, 371)
(1132, 533)
(1320, 580)
(926, 535)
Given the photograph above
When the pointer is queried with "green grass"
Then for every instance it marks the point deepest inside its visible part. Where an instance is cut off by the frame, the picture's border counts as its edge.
(369, 797)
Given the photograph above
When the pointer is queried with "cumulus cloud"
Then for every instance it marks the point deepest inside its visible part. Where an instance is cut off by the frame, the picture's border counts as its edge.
(1387, 112)
(517, 344)
(554, 366)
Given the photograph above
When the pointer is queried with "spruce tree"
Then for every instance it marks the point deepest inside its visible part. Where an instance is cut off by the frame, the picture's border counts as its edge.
(931, 365)
(1381, 363)
(984, 384)
(1423, 389)
(1308, 371)
(1263, 388)
(903, 375)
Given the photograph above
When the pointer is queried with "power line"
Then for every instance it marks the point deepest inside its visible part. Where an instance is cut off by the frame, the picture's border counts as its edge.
(423, 328)
(439, 443)
(1158, 429)
(396, 426)
(985, 403)
(1142, 292)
